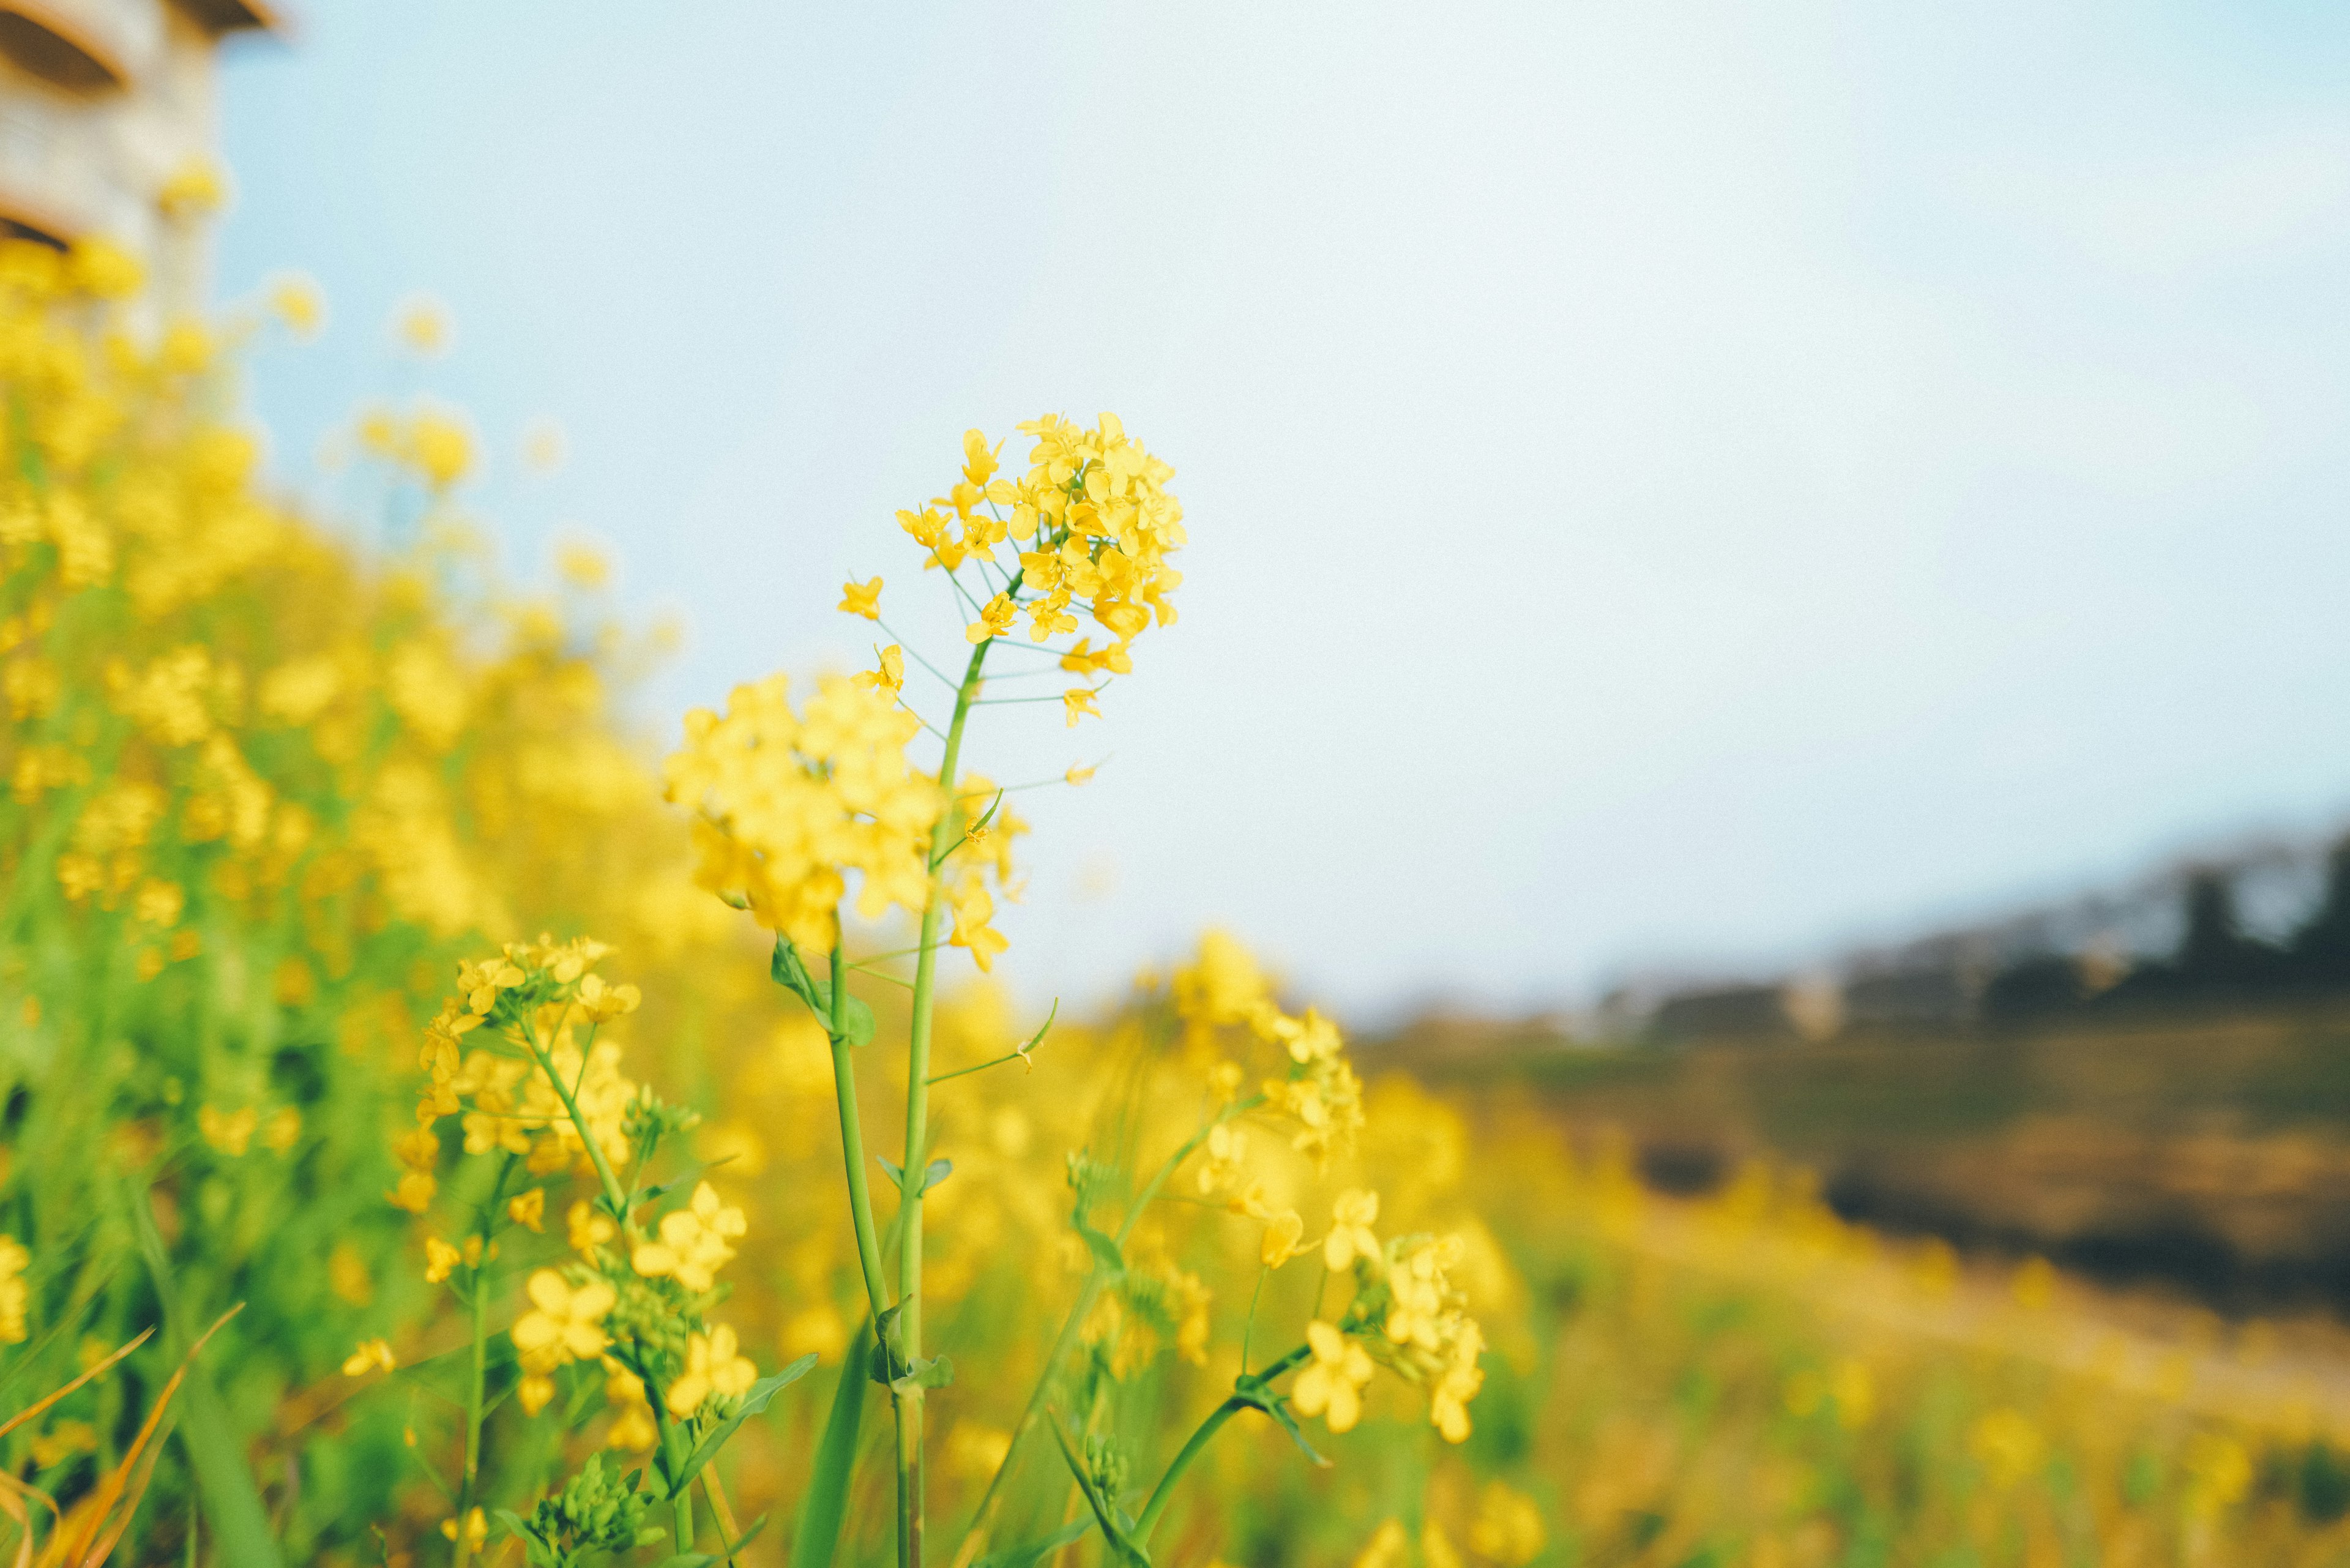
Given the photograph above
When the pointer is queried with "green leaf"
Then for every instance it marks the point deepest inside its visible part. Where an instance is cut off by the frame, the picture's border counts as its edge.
(931, 1372)
(857, 1021)
(825, 1504)
(1030, 1553)
(1103, 1249)
(754, 1401)
(1279, 1411)
(789, 972)
(241, 1532)
(938, 1171)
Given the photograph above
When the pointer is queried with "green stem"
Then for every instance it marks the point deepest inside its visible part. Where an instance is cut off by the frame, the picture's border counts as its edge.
(613, 1193)
(1248, 1330)
(1190, 1451)
(852, 1144)
(474, 1389)
(477, 1385)
(917, 1111)
(673, 1456)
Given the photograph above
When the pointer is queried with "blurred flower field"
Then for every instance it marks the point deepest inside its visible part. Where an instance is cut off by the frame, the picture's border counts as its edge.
(268, 791)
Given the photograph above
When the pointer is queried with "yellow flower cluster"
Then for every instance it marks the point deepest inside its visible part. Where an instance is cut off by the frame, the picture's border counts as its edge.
(788, 806)
(1319, 1091)
(535, 994)
(691, 1243)
(1096, 523)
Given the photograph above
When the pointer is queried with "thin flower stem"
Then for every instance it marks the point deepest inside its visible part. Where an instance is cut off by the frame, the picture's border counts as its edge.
(477, 1383)
(613, 1192)
(1191, 1449)
(944, 680)
(984, 1066)
(852, 1147)
(1164, 1492)
(1248, 1330)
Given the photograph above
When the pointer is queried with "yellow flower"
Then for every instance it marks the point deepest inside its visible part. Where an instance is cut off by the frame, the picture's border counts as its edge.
(713, 1364)
(299, 303)
(13, 1293)
(440, 1260)
(1078, 701)
(1350, 1230)
(891, 674)
(566, 1322)
(283, 1130)
(1281, 1238)
(476, 1527)
(1332, 1381)
(589, 1226)
(372, 1356)
(194, 190)
(423, 327)
(1457, 1385)
(441, 447)
(229, 1132)
(1509, 1527)
(528, 1209)
(633, 1426)
(995, 619)
(861, 598)
(1077, 775)
(693, 1241)
(582, 565)
(2006, 1444)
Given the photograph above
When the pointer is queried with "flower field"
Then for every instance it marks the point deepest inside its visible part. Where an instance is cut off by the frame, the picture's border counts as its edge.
(579, 1154)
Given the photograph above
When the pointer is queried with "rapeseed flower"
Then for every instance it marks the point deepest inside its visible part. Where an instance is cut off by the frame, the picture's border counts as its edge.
(1331, 1386)
(714, 1364)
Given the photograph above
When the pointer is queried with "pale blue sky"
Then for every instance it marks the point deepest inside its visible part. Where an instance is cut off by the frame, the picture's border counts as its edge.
(1667, 481)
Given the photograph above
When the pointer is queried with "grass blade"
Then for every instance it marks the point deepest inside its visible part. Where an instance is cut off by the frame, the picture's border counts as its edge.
(240, 1523)
(826, 1502)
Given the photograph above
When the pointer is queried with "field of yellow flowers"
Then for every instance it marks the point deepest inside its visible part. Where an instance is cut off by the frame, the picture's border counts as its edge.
(523, 1097)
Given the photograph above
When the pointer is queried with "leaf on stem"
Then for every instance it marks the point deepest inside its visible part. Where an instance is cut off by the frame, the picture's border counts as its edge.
(757, 1399)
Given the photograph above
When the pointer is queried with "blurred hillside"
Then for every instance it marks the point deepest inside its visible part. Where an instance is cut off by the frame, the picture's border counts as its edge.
(2150, 1085)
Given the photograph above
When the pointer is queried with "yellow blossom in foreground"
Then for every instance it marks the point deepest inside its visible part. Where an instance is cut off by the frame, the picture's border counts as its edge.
(861, 598)
(1332, 1381)
(693, 1241)
(889, 674)
(790, 805)
(372, 1356)
(564, 1323)
(1077, 703)
(995, 619)
(713, 1364)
